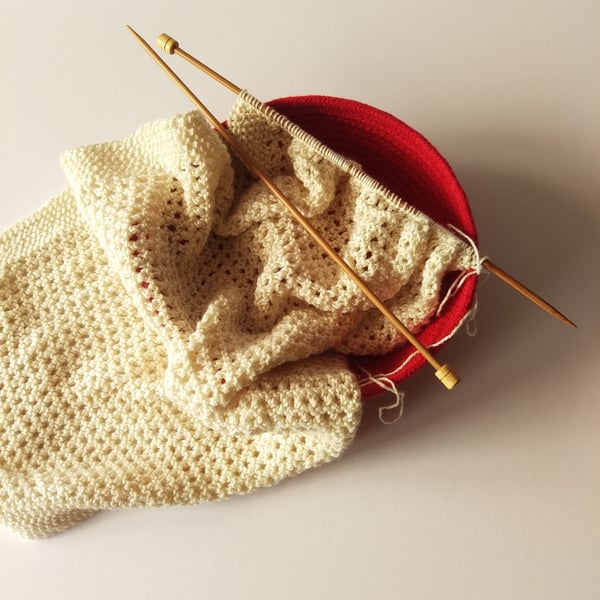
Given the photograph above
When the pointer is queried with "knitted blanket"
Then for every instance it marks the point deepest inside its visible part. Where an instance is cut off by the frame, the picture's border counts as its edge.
(169, 335)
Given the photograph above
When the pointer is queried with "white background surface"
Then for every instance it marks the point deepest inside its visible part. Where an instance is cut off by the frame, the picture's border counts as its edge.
(489, 492)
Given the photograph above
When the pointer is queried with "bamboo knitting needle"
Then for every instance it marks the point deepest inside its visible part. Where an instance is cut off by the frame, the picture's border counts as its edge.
(504, 276)
(443, 372)
(170, 45)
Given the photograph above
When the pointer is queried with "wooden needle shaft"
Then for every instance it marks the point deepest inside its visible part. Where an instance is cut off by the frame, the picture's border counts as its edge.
(504, 276)
(170, 45)
(443, 372)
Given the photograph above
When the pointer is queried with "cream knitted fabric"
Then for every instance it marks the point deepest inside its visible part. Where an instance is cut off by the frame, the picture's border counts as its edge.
(168, 335)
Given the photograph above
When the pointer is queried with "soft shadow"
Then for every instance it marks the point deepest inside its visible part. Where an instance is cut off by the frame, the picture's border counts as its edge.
(541, 233)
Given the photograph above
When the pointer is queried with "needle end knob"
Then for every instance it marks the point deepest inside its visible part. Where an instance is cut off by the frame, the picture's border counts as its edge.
(447, 376)
(167, 43)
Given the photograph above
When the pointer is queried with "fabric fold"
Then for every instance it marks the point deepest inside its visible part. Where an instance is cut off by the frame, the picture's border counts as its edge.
(168, 333)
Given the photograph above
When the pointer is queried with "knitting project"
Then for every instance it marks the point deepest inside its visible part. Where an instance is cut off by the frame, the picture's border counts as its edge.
(170, 335)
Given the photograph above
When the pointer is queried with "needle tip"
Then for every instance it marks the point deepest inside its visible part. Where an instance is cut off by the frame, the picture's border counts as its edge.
(504, 276)
(167, 43)
(141, 41)
(556, 313)
(133, 32)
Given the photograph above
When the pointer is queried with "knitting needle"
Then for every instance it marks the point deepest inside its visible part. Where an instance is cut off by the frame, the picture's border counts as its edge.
(504, 276)
(443, 372)
(170, 45)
